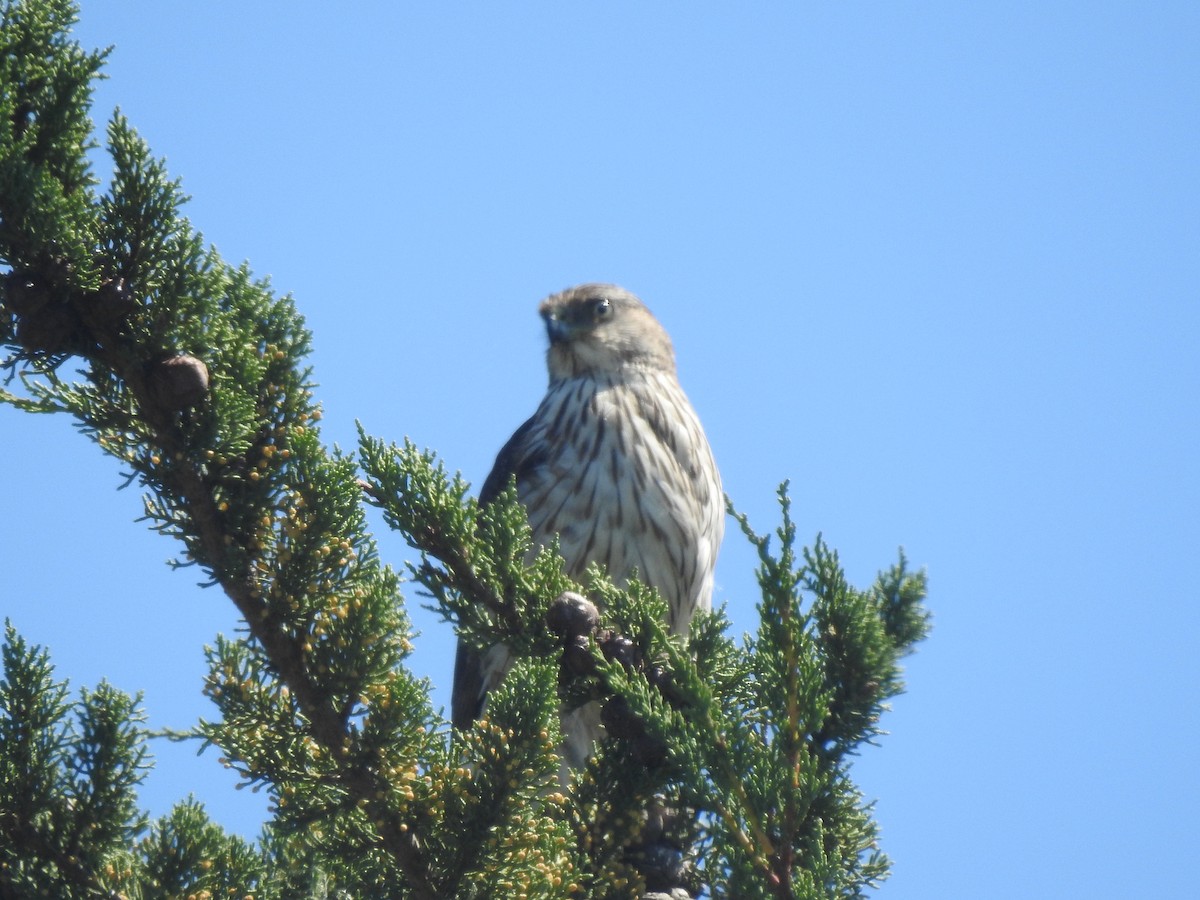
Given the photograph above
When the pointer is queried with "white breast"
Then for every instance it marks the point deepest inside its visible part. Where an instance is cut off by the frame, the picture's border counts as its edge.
(629, 482)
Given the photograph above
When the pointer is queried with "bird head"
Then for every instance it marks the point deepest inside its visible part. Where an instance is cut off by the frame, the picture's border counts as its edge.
(602, 329)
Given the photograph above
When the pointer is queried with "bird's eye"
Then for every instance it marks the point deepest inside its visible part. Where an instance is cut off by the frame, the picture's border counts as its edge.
(603, 309)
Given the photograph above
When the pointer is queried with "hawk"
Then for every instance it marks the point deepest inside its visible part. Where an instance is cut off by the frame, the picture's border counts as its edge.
(615, 464)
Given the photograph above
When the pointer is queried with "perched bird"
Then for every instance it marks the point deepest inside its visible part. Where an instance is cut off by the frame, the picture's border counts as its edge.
(615, 464)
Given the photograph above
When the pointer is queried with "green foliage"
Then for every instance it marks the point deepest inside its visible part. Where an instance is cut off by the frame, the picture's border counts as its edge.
(186, 854)
(477, 565)
(501, 830)
(45, 130)
(727, 761)
(68, 773)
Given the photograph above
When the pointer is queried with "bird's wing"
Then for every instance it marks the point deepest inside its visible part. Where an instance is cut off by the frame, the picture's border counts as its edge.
(466, 699)
(516, 457)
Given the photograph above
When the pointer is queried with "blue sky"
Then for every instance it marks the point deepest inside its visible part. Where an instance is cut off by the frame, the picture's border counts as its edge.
(936, 263)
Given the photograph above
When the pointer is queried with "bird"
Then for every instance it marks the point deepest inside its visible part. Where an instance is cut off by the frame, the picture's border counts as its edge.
(614, 464)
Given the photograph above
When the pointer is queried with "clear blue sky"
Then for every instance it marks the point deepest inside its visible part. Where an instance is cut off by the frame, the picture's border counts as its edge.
(937, 263)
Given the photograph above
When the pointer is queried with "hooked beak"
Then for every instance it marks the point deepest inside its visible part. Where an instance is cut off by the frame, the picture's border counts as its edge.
(558, 330)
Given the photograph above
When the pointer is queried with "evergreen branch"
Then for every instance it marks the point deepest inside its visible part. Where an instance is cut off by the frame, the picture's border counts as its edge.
(29, 404)
(195, 380)
(213, 436)
(436, 517)
(474, 562)
(67, 803)
(190, 493)
(761, 849)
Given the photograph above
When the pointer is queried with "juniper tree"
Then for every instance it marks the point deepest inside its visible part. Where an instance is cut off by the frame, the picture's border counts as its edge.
(194, 377)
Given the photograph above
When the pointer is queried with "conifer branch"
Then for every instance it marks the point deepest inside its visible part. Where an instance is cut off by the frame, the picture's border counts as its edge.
(195, 381)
